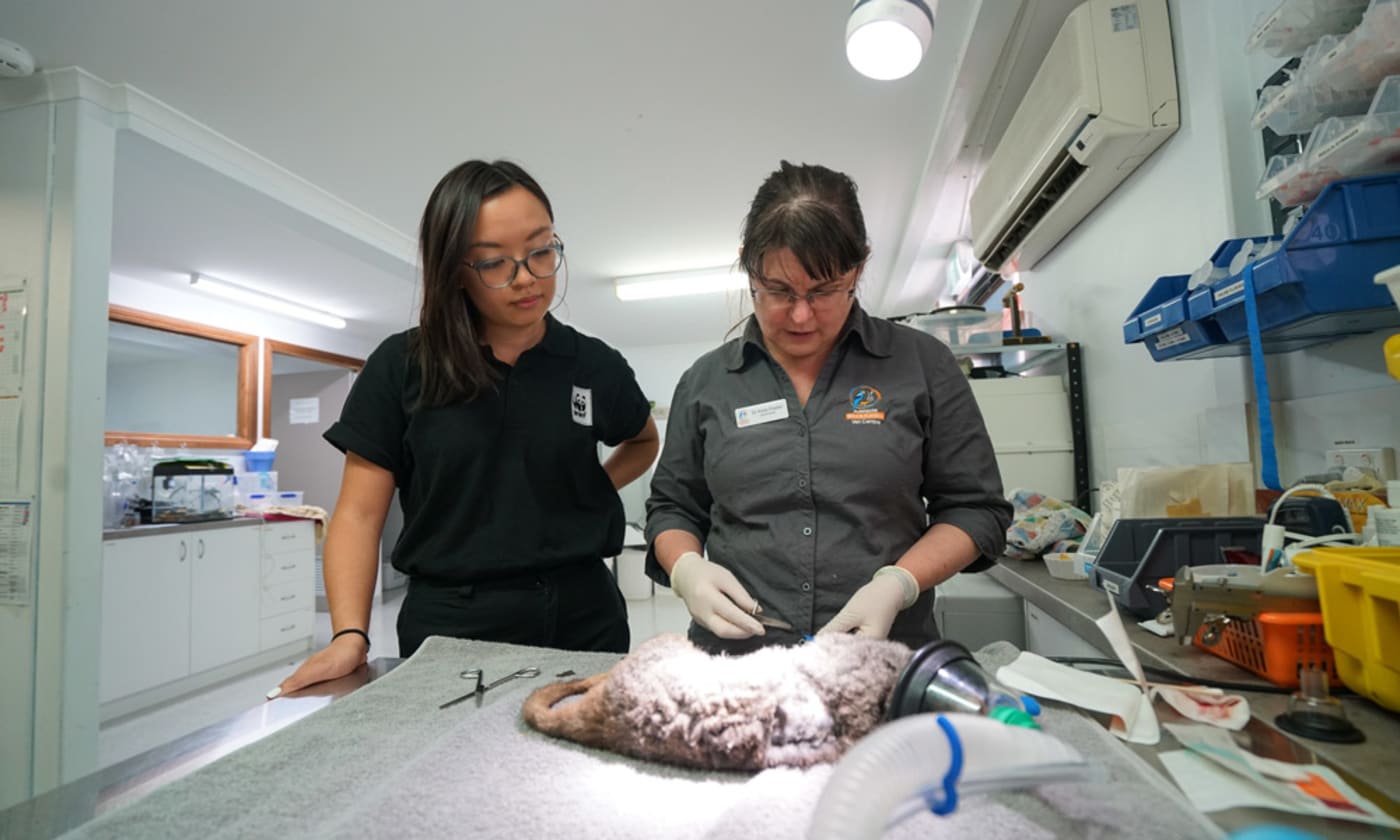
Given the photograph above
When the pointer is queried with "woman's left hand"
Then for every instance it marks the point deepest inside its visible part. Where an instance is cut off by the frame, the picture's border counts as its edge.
(872, 609)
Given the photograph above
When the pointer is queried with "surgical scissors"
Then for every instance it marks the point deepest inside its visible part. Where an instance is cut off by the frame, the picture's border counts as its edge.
(479, 689)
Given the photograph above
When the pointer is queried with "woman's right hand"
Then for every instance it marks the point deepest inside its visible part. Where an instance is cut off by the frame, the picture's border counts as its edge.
(715, 598)
(342, 656)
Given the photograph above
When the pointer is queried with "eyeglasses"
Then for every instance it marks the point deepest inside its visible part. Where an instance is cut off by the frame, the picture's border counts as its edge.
(826, 300)
(499, 272)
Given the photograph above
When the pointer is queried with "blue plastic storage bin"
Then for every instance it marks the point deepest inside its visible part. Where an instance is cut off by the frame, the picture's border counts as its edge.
(1161, 322)
(258, 461)
(1319, 285)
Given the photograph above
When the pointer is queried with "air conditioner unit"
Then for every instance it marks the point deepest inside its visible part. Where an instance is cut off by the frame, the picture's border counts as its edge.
(1103, 99)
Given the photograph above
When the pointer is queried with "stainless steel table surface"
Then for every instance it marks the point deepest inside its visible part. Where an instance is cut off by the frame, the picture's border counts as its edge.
(69, 806)
(1372, 767)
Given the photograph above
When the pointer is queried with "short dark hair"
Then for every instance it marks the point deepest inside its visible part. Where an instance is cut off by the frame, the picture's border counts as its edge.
(812, 211)
(446, 346)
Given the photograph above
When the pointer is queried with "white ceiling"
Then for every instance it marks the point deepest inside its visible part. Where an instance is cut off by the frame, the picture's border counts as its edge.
(650, 123)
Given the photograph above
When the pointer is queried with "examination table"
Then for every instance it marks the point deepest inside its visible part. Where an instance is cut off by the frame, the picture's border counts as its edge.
(386, 761)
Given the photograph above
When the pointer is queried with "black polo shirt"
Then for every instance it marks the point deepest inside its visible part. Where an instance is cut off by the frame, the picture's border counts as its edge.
(510, 483)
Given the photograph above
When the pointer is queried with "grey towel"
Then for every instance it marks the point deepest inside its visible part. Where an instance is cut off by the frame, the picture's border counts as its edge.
(386, 762)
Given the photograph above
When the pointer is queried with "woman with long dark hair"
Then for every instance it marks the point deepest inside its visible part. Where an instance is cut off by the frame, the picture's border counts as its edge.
(486, 418)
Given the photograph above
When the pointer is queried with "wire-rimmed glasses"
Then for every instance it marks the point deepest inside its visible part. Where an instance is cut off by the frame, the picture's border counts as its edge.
(824, 300)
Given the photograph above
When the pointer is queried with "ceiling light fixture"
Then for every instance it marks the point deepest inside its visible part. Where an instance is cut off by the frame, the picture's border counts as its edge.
(676, 283)
(238, 294)
(886, 39)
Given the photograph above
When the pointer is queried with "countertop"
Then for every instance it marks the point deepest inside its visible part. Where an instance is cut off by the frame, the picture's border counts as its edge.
(1372, 767)
(69, 806)
(179, 527)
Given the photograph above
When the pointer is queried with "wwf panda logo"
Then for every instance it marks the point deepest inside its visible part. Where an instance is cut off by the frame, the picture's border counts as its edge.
(581, 406)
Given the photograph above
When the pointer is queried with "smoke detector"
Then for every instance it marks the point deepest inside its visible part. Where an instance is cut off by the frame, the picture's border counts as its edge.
(15, 61)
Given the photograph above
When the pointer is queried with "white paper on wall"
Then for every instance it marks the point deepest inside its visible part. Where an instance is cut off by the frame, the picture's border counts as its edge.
(304, 410)
(11, 341)
(15, 536)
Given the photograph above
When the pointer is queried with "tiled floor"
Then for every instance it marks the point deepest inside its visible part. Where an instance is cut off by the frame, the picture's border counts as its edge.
(137, 733)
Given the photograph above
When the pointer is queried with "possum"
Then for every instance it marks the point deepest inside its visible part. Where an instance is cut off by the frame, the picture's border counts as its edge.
(671, 702)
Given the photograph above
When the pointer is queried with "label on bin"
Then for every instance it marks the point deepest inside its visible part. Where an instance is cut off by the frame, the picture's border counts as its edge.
(1227, 291)
(1339, 141)
(1152, 321)
(1262, 30)
(1171, 338)
(1110, 587)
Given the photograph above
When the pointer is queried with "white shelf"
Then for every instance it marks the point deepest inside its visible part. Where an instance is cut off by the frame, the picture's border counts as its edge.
(1014, 358)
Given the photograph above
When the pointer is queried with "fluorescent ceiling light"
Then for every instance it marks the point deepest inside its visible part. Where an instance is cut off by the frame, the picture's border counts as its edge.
(238, 294)
(676, 283)
(886, 39)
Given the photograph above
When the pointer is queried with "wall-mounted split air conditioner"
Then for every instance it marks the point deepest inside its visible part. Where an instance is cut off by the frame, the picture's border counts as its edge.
(1103, 99)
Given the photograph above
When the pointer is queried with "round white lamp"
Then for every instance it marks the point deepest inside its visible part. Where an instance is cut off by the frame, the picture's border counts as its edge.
(886, 39)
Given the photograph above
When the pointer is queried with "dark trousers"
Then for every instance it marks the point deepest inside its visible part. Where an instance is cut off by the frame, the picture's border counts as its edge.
(574, 608)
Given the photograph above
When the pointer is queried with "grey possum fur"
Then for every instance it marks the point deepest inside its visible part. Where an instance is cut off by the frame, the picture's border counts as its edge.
(671, 702)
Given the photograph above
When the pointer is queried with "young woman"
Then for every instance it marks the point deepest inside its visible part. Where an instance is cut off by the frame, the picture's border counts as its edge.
(486, 418)
(834, 465)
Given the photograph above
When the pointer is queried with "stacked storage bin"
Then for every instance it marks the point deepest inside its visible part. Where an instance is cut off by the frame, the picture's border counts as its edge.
(1313, 285)
(1345, 94)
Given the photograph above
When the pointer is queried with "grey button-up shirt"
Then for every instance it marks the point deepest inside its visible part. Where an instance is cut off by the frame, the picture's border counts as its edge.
(804, 504)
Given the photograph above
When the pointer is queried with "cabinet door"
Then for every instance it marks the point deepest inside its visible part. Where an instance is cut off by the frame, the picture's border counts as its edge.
(1046, 636)
(145, 614)
(224, 591)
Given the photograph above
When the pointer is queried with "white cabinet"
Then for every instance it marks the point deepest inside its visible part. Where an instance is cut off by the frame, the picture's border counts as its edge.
(223, 596)
(182, 609)
(1048, 637)
(287, 601)
(145, 613)
(1028, 420)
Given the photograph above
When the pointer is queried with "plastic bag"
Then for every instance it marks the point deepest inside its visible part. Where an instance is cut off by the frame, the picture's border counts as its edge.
(1043, 523)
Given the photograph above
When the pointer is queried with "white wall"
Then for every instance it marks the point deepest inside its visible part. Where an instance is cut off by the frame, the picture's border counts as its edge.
(659, 367)
(55, 238)
(1335, 395)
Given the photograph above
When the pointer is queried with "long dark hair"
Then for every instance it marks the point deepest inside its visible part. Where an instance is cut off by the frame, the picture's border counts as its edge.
(447, 348)
(812, 211)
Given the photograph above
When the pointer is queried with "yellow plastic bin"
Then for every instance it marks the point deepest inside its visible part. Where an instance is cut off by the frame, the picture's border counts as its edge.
(1360, 593)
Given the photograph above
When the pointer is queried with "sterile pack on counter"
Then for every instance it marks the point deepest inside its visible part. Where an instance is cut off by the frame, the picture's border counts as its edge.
(1215, 773)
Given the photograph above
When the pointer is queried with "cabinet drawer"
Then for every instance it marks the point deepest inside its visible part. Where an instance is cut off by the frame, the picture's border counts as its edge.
(279, 537)
(287, 597)
(281, 629)
(288, 567)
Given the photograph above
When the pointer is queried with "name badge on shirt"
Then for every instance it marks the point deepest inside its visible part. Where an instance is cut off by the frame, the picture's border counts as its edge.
(758, 413)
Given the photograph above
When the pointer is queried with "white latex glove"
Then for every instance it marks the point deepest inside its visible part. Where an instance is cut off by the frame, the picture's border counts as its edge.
(715, 598)
(872, 609)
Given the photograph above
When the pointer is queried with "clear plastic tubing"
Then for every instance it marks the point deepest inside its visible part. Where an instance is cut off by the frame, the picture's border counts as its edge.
(927, 761)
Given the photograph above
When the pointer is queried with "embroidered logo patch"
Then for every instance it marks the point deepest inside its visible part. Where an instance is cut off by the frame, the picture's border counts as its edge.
(865, 401)
(581, 406)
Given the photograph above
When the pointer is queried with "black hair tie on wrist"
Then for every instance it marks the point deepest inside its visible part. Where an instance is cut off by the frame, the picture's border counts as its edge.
(357, 631)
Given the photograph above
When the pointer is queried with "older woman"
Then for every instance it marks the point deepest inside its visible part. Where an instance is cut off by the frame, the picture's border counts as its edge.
(832, 465)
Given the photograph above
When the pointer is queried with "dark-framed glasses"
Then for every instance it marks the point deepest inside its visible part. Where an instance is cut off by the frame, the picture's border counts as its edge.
(499, 272)
(824, 300)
